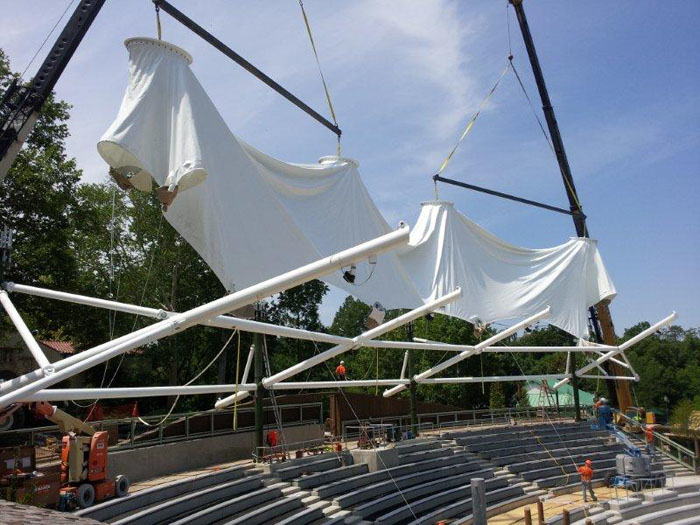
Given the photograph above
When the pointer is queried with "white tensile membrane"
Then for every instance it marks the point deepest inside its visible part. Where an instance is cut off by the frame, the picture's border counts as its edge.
(251, 217)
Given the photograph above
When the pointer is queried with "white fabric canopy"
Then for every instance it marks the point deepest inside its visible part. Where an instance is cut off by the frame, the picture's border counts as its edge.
(252, 217)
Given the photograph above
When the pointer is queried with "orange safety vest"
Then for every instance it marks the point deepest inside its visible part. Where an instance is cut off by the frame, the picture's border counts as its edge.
(650, 435)
(340, 370)
(272, 438)
(586, 473)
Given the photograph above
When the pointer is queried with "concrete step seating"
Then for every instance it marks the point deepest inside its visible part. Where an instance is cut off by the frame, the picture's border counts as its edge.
(572, 479)
(326, 477)
(321, 463)
(267, 513)
(649, 512)
(522, 462)
(516, 441)
(566, 442)
(363, 480)
(506, 430)
(417, 445)
(116, 508)
(566, 467)
(422, 455)
(462, 508)
(396, 498)
(265, 497)
(423, 503)
(375, 490)
(186, 504)
(312, 513)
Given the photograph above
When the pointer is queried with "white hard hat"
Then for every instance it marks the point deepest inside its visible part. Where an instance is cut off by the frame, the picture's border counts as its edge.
(603, 400)
(342, 362)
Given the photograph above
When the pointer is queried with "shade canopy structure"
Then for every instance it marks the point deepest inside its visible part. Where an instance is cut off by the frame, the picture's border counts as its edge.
(233, 200)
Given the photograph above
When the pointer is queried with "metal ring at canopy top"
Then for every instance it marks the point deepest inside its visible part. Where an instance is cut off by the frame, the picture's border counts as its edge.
(143, 40)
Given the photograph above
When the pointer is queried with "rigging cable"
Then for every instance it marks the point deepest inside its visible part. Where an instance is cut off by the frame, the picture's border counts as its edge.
(472, 120)
(318, 63)
(133, 327)
(371, 442)
(177, 398)
(47, 38)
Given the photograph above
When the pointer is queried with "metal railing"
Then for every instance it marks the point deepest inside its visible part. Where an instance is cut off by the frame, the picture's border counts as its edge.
(445, 421)
(664, 445)
(132, 432)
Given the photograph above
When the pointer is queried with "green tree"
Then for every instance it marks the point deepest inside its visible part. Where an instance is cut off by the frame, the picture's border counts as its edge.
(38, 202)
(497, 397)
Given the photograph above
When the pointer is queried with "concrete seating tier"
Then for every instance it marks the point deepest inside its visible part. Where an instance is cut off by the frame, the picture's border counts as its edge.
(541, 446)
(422, 455)
(323, 478)
(266, 513)
(521, 440)
(572, 478)
(493, 499)
(338, 487)
(522, 462)
(112, 509)
(187, 504)
(374, 490)
(427, 504)
(650, 511)
(305, 516)
(496, 432)
(568, 467)
(416, 445)
(266, 496)
(319, 463)
(513, 431)
(497, 490)
(425, 493)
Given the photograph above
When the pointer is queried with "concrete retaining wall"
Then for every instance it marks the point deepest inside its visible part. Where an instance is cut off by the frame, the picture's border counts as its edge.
(150, 462)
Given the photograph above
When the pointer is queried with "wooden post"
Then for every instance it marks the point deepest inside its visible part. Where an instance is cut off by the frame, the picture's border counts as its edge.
(540, 513)
(565, 518)
(528, 516)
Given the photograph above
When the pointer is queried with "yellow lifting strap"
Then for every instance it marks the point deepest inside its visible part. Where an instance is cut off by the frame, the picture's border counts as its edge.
(470, 124)
(318, 63)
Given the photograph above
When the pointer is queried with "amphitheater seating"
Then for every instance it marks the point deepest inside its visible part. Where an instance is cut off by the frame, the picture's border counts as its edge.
(431, 482)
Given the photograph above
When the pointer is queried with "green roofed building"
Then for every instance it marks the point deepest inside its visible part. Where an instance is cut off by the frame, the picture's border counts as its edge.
(536, 397)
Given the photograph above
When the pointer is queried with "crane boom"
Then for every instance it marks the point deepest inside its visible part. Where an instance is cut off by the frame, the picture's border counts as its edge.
(601, 320)
(21, 103)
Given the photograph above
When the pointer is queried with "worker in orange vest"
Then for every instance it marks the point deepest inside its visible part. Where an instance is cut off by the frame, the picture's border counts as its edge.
(586, 471)
(340, 371)
(650, 440)
(272, 439)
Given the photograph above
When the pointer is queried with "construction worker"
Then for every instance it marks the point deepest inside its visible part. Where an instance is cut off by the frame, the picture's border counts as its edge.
(340, 371)
(604, 414)
(586, 471)
(649, 431)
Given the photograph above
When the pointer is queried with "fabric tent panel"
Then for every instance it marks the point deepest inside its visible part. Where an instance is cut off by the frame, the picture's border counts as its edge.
(251, 216)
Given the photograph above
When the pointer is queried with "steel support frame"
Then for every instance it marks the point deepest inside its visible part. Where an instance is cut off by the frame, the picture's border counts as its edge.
(34, 381)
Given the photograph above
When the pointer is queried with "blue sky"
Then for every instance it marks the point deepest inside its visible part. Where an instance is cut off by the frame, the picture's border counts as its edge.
(405, 77)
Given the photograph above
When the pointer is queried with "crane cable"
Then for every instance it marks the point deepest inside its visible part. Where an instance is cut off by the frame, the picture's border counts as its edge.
(320, 71)
(470, 123)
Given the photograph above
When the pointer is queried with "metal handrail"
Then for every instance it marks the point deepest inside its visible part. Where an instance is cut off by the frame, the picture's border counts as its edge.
(131, 440)
(464, 418)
